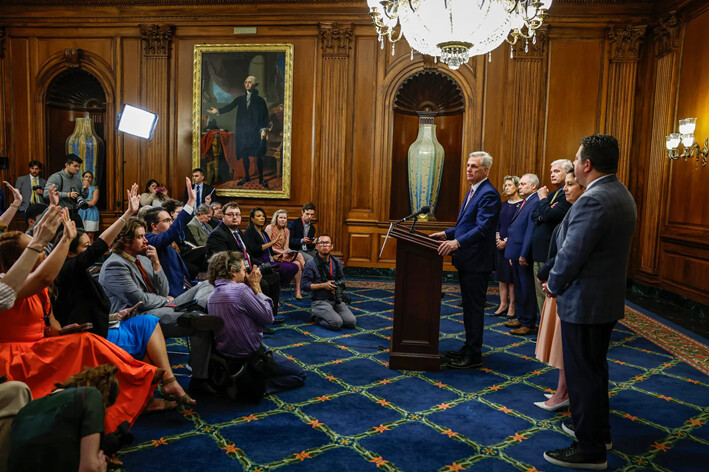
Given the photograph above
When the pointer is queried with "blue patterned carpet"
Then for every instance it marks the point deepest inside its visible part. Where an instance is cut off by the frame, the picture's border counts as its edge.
(355, 414)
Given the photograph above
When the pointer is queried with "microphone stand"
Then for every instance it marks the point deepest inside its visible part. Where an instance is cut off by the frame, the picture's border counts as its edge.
(411, 230)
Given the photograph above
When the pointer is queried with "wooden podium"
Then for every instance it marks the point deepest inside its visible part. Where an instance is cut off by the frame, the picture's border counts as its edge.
(417, 302)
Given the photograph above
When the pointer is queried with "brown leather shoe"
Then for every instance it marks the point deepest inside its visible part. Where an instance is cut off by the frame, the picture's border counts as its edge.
(513, 324)
(522, 331)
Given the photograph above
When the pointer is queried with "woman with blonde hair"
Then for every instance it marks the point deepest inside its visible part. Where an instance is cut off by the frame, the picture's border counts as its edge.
(279, 233)
(503, 275)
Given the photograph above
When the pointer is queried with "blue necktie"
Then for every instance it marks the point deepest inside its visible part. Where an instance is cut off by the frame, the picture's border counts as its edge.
(199, 191)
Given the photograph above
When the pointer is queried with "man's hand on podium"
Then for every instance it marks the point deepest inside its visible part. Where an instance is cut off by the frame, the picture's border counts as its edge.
(447, 247)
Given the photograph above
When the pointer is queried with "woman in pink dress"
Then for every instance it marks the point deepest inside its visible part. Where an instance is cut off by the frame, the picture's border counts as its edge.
(549, 337)
(279, 233)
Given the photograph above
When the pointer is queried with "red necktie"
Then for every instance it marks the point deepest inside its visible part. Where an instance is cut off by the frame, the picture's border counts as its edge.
(144, 274)
(243, 248)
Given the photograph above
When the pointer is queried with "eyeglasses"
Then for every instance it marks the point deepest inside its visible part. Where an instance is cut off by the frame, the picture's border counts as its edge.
(166, 220)
(232, 215)
(326, 243)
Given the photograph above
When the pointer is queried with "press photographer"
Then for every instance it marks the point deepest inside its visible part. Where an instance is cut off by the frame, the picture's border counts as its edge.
(71, 189)
(323, 276)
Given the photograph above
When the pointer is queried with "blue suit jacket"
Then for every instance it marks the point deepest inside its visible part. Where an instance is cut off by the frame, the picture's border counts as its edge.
(172, 263)
(590, 269)
(475, 230)
(296, 234)
(520, 231)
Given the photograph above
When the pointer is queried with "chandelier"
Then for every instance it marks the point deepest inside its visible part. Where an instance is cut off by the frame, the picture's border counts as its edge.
(455, 30)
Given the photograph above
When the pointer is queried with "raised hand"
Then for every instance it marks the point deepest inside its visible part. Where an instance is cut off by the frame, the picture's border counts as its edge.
(133, 200)
(53, 195)
(69, 225)
(16, 195)
(191, 196)
(46, 228)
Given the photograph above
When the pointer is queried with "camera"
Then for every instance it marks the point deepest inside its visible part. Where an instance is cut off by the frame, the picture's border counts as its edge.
(340, 296)
(113, 442)
(83, 204)
(265, 268)
(37, 187)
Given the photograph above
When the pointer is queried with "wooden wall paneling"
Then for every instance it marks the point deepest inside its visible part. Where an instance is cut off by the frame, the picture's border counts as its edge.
(360, 247)
(364, 169)
(625, 46)
(4, 81)
(493, 141)
(335, 42)
(128, 161)
(20, 144)
(666, 47)
(387, 250)
(524, 104)
(155, 87)
(683, 269)
(575, 73)
(688, 181)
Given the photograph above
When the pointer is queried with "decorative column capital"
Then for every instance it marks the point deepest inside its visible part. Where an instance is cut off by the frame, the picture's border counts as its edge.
(667, 35)
(3, 35)
(335, 39)
(531, 49)
(626, 42)
(156, 40)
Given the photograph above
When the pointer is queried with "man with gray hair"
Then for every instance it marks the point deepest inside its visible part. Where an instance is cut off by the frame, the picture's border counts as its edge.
(198, 228)
(472, 243)
(550, 210)
(519, 253)
(250, 128)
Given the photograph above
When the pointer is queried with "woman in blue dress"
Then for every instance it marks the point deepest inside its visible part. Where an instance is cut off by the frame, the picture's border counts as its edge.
(503, 272)
(90, 215)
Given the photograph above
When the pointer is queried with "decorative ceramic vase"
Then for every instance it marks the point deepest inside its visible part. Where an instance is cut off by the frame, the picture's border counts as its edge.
(426, 157)
(85, 143)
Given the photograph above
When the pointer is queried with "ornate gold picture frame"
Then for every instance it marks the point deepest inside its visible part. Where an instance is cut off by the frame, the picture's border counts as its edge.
(241, 118)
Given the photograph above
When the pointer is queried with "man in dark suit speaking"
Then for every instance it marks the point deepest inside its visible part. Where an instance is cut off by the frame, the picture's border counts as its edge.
(472, 242)
(250, 128)
(588, 280)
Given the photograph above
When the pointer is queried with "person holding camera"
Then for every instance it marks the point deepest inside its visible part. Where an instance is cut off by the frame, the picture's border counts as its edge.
(323, 276)
(71, 190)
(31, 186)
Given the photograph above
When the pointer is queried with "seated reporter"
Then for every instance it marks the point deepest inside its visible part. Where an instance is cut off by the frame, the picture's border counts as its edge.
(133, 274)
(238, 300)
(319, 276)
(259, 245)
(81, 299)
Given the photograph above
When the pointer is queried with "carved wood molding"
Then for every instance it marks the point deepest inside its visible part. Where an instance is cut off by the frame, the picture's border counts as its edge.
(3, 35)
(156, 40)
(335, 39)
(626, 42)
(72, 57)
(529, 49)
(429, 62)
(667, 35)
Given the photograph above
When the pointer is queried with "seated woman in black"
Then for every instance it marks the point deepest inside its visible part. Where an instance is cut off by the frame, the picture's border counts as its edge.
(259, 246)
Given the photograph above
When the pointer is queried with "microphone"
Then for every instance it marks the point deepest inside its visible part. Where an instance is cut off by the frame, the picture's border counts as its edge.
(422, 211)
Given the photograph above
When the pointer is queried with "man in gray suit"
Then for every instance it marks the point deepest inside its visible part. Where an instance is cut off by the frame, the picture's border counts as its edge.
(589, 279)
(27, 185)
(199, 227)
(133, 274)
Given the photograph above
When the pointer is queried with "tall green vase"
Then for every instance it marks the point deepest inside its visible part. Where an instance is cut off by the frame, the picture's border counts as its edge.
(85, 143)
(426, 157)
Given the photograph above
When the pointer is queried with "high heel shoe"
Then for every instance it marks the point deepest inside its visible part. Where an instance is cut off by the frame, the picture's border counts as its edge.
(500, 311)
(559, 406)
(185, 400)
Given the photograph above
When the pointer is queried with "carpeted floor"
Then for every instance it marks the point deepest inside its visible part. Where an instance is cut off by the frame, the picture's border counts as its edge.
(355, 414)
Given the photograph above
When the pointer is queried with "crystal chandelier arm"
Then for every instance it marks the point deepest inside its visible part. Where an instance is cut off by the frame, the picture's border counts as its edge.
(391, 38)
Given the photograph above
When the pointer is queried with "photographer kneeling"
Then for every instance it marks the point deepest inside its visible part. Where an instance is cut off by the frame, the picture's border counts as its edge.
(238, 300)
(323, 276)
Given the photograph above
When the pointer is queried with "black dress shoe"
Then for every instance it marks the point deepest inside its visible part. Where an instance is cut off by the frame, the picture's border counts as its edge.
(459, 354)
(263, 183)
(573, 458)
(466, 362)
(569, 428)
(242, 181)
(200, 322)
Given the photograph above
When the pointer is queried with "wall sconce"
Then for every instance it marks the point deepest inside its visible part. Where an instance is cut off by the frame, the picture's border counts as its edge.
(686, 137)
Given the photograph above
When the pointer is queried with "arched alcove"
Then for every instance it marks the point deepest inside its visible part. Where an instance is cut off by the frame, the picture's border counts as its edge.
(73, 93)
(434, 91)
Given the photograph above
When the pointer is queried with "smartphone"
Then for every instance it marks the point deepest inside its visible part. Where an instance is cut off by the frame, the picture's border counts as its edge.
(76, 328)
(133, 309)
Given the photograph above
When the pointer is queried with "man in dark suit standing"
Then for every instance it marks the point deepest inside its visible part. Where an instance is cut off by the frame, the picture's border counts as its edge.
(302, 233)
(550, 210)
(472, 242)
(519, 252)
(250, 128)
(228, 237)
(28, 186)
(588, 280)
(202, 190)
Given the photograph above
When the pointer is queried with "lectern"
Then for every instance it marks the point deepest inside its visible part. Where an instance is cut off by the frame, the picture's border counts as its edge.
(417, 302)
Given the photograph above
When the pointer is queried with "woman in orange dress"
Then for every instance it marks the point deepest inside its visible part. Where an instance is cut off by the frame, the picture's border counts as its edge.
(32, 351)
(279, 233)
(549, 336)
